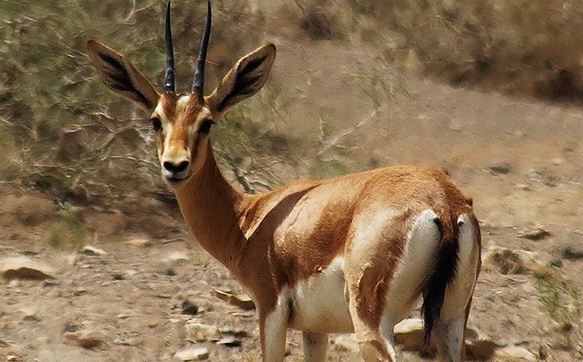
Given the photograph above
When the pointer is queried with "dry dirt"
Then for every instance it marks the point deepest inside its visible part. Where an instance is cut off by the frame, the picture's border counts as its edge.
(130, 298)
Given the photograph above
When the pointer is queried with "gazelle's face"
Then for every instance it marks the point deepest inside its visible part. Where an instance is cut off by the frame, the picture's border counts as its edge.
(181, 125)
(182, 122)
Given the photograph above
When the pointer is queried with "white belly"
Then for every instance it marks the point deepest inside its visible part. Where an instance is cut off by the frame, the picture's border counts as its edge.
(319, 303)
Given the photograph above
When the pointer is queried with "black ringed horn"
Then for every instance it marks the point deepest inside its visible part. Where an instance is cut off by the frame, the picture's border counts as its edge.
(169, 84)
(198, 83)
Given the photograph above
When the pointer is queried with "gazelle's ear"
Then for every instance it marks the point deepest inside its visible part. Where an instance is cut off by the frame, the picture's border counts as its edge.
(121, 76)
(245, 79)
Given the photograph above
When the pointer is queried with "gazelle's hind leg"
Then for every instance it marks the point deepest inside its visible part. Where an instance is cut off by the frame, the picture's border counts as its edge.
(383, 289)
(367, 285)
(450, 328)
(315, 345)
(449, 337)
(373, 346)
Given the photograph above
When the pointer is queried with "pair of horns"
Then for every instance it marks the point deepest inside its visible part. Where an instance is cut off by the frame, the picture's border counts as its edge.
(198, 83)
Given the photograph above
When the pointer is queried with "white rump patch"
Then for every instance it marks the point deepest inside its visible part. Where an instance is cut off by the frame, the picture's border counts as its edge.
(466, 238)
(421, 248)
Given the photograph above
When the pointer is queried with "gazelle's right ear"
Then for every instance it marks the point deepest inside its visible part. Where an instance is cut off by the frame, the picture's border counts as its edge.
(121, 76)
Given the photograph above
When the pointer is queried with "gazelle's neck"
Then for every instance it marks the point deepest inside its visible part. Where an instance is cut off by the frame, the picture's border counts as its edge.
(212, 208)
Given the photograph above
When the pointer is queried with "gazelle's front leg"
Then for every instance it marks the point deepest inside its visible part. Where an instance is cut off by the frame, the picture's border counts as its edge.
(315, 345)
(272, 330)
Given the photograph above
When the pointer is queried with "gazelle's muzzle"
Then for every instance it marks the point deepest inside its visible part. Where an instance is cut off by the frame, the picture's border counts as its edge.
(176, 172)
(176, 165)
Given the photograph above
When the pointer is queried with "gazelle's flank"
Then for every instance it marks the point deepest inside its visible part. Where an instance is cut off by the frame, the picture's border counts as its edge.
(353, 253)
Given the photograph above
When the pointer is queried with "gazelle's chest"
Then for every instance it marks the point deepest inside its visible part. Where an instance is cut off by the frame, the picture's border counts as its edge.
(319, 304)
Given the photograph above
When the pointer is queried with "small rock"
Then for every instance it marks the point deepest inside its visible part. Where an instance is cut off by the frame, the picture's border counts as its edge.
(514, 353)
(189, 307)
(71, 259)
(118, 276)
(192, 354)
(30, 314)
(85, 339)
(131, 272)
(121, 342)
(230, 341)
(538, 234)
(478, 346)
(409, 333)
(202, 332)
(455, 125)
(500, 168)
(238, 300)
(413, 62)
(572, 253)
(176, 256)
(80, 291)
(22, 267)
(506, 261)
(91, 250)
(556, 263)
(524, 187)
(347, 343)
(139, 242)
(50, 283)
(240, 333)
(543, 352)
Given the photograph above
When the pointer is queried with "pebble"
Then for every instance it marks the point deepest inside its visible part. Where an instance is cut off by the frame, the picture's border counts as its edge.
(202, 332)
(409, 333)
(193, 354)
(514, 353)
(500, 168)
(347, 343)
(189, 307)
(572, 253)
(139, 242)
(85, 339)
(230, 341)
(176, 256)
(538, 234)
(91, 250)
(238, 300)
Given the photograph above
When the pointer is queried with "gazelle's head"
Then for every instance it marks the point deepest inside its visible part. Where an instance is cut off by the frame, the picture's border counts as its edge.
(182, 122)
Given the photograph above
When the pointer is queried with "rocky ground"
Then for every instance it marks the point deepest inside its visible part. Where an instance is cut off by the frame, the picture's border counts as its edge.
(135, 297)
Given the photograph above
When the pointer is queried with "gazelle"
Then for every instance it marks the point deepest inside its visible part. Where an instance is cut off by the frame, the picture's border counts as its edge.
(349, 254)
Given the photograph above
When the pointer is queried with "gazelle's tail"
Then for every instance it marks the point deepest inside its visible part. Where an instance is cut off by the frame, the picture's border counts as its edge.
(444, 273)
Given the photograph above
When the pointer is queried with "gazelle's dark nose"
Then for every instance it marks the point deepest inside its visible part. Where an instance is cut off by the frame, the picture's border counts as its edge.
(174, 168)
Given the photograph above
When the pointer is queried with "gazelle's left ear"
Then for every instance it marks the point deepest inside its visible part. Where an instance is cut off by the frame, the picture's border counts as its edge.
(121, 76)
(245, 79)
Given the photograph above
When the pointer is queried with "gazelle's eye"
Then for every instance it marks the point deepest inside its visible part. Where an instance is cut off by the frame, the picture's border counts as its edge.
(205, 126)
(156, 124)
